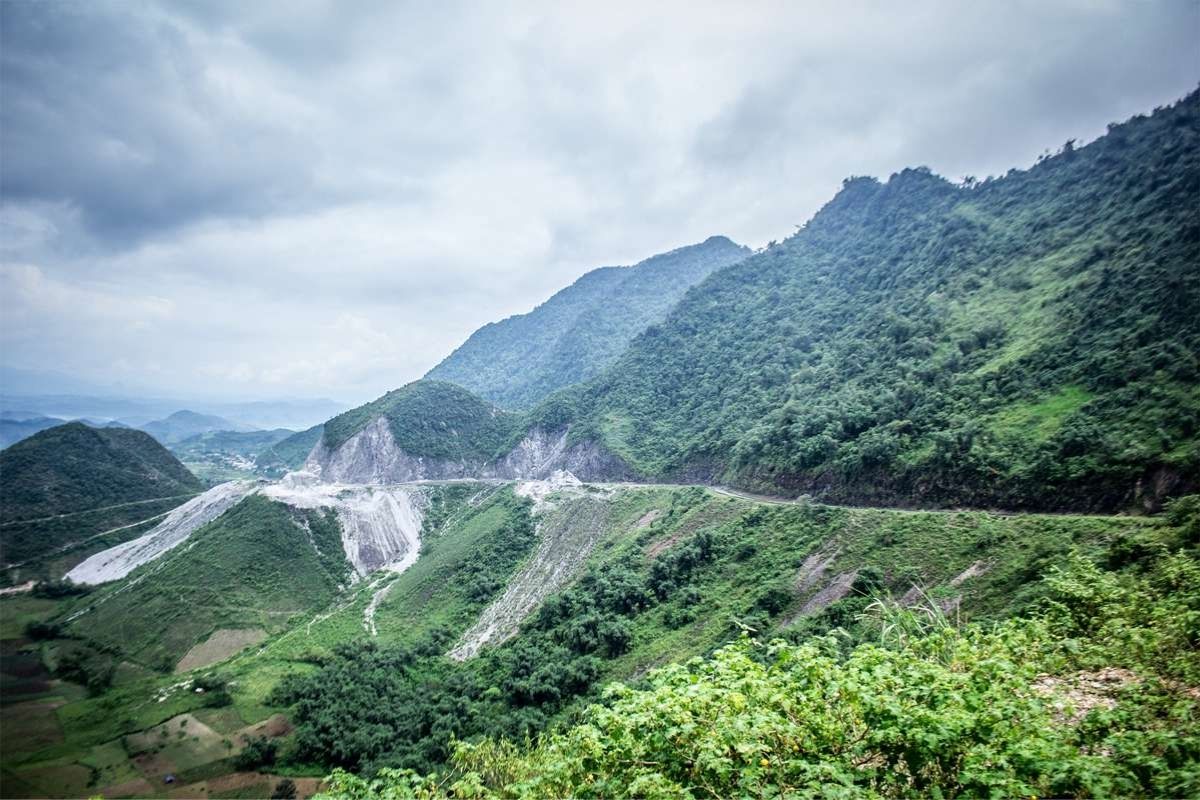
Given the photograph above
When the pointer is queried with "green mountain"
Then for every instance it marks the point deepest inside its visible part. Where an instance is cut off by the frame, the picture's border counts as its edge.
(581, 329)
(72, 482)
(1027, 341)
(433, 419)
(540, 604)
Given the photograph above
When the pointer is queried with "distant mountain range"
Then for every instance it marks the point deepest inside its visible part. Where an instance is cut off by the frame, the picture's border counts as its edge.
(184, 424)
(294, 414)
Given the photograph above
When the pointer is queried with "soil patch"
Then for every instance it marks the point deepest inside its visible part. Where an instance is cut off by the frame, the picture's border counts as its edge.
(128, 789)
(272, 727)
(220, 646)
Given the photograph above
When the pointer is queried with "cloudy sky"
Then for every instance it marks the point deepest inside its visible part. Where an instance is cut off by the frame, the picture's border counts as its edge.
(253, 200)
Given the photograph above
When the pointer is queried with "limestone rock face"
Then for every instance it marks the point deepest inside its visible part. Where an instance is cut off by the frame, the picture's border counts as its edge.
(372, 457)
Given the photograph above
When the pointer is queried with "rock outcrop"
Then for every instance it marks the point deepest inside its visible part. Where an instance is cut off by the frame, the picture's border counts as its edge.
(372, 457)
(117, 562)
(381, 527)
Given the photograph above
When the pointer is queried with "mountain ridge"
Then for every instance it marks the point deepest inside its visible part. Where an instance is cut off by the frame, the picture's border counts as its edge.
(581, 329)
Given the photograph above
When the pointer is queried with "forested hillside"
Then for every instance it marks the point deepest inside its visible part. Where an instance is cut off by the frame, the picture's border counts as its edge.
(434, 419)
(1092, 694)
(581, 329)
(83, 472)
(1026, 341)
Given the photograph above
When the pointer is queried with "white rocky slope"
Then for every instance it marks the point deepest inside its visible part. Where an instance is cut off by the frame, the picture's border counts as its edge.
(117, 562)
(570, 521)
(381, 526)
(372, 456)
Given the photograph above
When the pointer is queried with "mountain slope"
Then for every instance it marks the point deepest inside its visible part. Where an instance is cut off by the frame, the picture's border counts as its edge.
(581, 329)
(1028, 342)
(432, 430)
(257, 567)
(670, 573)
(100, 479)
(289, 453)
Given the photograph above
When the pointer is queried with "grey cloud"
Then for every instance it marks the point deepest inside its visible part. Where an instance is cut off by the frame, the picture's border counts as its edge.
(325, 197)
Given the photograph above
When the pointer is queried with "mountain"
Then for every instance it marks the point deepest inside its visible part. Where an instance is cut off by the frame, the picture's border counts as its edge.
(1028, 341)
(183, 424)
(1006, 343)
(250, 572)
(581, 329)
(432, 430)
(83, 472)
(293, 413)
(14, 430)
(216, 456)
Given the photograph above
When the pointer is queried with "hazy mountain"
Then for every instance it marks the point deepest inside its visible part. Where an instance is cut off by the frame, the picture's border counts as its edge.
(14, 430)
(183, 424)
(581, 329)
(296, 414)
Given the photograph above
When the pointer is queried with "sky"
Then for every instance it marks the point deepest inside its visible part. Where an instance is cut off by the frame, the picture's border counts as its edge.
(322, 199)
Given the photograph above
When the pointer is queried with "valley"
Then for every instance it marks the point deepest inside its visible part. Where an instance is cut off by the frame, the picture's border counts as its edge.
(577, 583)
(904, 505)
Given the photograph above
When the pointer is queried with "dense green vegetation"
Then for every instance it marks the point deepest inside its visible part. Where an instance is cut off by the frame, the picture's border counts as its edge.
(1092, 695)
(1029, 341)
(72, 469)
(261, 565)
(433, 419)
(581, 329)
(684, 584)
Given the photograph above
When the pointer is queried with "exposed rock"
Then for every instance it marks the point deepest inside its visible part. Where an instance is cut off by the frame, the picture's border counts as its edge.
(1073, 697)
(814, 567)
(973, 571)
(838, 588)
(539, 491)
(372, 456)
(647, 519)
(569, 528)
(117, 562)
(381, 527)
